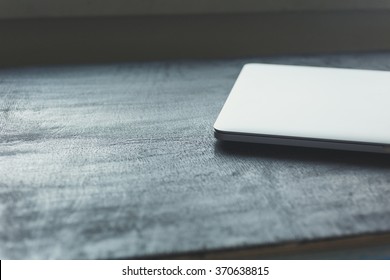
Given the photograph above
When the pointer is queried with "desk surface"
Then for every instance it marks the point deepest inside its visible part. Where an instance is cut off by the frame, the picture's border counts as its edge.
(119, 161)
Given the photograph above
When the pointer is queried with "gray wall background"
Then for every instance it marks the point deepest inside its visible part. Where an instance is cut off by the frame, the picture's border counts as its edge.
(71, 8)
(51, 32)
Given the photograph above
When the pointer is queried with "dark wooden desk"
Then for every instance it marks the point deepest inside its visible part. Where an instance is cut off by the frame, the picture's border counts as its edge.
(119, 161)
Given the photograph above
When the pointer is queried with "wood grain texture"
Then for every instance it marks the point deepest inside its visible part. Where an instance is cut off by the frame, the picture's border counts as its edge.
(117, 161)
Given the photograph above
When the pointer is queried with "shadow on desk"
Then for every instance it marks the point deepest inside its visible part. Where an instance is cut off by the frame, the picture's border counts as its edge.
(250, 150)
(368, 247)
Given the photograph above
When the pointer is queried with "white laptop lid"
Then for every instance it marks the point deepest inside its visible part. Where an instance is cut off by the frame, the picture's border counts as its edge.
(309, 102)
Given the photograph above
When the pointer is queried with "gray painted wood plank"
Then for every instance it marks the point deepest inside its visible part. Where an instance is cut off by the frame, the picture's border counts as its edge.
(116, 161)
